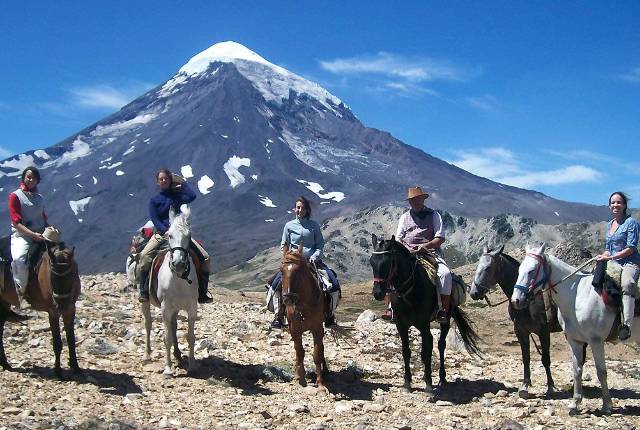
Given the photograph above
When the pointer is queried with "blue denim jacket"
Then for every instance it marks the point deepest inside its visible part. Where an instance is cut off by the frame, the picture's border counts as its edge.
(625, 236)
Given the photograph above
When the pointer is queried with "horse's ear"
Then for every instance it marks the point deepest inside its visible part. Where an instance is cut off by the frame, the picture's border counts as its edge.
(172, 215)
(50, 252)
(301, 246)
(501, 250)
(73, 249)
(485, 249)
(285, 248)
(374, 240)
(542, 248)
(393, 238)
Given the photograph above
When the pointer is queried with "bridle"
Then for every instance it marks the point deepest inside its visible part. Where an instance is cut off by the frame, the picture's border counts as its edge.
(57, 272)
(545, 279)
(485, 289)
(187, 269)
(388, 284)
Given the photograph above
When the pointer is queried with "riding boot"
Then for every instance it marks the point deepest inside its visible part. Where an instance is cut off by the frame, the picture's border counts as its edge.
(203, 289)
(143, 290)
(279, 309)
(628, 307)
(443, 313)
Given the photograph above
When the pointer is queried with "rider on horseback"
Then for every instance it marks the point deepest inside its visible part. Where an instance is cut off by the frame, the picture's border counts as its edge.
(28, 221)
(174, 192)
(306, 231)
(421, 230)
(622, 249)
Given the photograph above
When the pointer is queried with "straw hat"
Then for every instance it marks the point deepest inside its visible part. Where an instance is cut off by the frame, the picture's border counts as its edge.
(51, 234)
(416, 192)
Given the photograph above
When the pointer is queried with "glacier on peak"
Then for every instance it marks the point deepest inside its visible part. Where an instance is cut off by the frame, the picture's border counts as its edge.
(273, 82)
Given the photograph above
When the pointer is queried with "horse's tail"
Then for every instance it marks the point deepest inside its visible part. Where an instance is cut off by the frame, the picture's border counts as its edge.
(465, 327)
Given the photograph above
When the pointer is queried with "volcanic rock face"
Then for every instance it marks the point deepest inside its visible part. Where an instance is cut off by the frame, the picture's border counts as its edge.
(250, 136)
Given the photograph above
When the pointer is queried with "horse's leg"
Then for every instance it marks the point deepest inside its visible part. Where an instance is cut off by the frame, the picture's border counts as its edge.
(146, 312)
(318, 353)
(167, 318)
(525, 349)
(545, 344)
(191, 337)
(442, 345)
(426, 352)
(406, 356)
(54, 324)
(174, 333)
(597, 348)
(577, 359)
(296, 335)
(68, 318)
(3, 358)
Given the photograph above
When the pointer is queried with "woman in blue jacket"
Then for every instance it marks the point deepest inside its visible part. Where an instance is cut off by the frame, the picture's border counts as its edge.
(174, 192)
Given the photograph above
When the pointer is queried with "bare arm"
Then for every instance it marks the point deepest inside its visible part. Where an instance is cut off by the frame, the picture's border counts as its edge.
(21, 228)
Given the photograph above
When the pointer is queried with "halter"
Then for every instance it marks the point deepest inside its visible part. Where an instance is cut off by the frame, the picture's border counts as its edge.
(391, 288)
(185, 273)
(53, 273)
(546, 276)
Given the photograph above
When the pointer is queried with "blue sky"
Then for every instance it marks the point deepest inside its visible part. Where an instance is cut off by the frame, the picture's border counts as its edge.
(539, 94)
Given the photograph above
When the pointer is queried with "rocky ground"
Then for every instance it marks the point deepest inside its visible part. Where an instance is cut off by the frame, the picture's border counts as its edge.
(244, 379)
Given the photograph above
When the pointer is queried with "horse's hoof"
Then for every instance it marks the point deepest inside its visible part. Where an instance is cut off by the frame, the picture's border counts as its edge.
(6, 366)
(606, 410)
(573, 411)
(550, 394)
(523, 393)
(406, 389)
(59, 374)
(430, 393)
(77, 371)
(167, 372)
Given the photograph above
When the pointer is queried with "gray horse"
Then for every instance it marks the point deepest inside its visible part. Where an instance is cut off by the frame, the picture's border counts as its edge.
(496, 267)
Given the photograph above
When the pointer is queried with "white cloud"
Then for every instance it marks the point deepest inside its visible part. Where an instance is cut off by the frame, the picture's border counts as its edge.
(107, 95)
(502, 165)
(417, 69)
(632, 76)
(485, 102)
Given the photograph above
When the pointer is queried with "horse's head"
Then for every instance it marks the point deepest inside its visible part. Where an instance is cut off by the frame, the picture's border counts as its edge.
(485, 276)
(383, 263)
(294, 266)
(61, 265)
(533, 274)
(179, 238)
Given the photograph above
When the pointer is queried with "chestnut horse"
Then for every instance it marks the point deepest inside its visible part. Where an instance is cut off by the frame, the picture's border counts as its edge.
(304, 300)
(53, 287)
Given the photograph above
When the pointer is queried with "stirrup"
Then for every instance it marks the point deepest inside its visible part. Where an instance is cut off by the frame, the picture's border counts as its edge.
(277, 323)
(442, 316)
(205, 299)
(330, 322)
(388, 315)
(624, 332)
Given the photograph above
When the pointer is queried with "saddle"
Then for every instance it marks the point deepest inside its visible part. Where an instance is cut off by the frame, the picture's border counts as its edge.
(458, 288)
(152, 279)
(607, 281)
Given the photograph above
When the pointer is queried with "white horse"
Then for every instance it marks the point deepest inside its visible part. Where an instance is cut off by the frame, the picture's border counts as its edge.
(584, 318)
(177, 290)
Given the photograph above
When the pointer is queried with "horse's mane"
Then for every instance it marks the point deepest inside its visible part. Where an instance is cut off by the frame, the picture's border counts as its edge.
(293, 257)
(510, 259)
(181, 223)
(561, 263)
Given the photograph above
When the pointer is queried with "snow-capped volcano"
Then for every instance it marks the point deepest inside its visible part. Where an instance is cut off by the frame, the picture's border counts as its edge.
(250, 136)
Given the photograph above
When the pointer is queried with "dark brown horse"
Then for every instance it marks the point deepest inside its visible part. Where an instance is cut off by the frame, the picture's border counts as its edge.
(304, 301)
(53, 287)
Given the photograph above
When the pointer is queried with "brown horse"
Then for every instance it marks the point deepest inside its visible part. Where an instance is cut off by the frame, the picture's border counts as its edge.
(54, 290)
(304, 301)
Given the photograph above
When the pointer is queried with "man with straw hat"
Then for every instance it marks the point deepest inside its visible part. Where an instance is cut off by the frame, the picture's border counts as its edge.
(421, 231)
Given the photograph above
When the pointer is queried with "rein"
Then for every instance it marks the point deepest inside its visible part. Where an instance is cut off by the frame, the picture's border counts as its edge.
(547, 277)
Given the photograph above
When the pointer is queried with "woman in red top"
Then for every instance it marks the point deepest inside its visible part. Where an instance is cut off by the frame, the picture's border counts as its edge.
(28, 221)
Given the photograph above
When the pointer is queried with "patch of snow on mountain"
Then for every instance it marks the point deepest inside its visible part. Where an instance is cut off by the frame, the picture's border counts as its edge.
(80, 220)
(79, 149)
(557, 214)
(41, 154)
(266, 201)
(80, 185)
(77, 176)
(95, 180)
(231, 169)
(236, 119)
(186, 171)
(78, 206)
(170, 86)
(129, 151)
(147, 140)
(254, 177)
(106, 160)
(273, 82)
(224, 136)
(318, 190)
(120, 127)
(119, 173)
(460, 203)
(304, 152)
(204, 184)
(268, 220)
(19, 163)
(165, 124)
